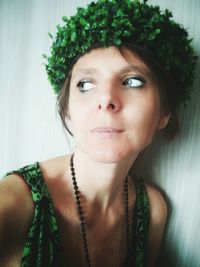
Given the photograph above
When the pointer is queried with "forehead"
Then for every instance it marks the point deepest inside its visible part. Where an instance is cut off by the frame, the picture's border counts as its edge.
(109, 59)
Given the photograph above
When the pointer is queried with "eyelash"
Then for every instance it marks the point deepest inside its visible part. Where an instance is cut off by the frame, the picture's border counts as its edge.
(124, 83)
(136, 78)
(81, 83)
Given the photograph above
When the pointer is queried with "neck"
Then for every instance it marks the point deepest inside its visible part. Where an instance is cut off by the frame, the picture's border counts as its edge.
(100, 182)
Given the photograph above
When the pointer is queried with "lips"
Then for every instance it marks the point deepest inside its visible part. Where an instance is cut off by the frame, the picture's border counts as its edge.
(106, 130)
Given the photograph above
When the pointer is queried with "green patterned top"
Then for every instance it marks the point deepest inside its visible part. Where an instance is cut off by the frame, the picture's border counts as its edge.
(43, 246)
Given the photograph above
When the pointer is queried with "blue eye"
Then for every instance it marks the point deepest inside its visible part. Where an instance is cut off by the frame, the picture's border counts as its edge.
(85, 86)
(133, 82)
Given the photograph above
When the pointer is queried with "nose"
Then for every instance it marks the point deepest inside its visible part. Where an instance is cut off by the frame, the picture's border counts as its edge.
(109, 102)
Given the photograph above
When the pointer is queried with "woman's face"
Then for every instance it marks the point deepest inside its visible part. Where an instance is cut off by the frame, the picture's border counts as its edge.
(114, 105)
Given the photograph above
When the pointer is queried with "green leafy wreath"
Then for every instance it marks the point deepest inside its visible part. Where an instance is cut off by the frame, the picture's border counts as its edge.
(113, 22)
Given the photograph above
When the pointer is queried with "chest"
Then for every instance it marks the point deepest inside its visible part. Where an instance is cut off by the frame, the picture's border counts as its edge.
(107, 240)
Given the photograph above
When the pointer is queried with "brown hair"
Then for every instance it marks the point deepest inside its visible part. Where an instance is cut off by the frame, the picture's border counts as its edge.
(166, 84)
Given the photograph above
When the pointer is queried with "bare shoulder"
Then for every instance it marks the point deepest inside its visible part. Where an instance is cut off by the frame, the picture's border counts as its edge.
(158, 217)
(14, 194)
(157, 203)
(56, 177)
(16, 214)
(54, 167)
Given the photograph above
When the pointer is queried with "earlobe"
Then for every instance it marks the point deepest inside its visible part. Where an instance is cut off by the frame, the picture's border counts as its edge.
(164, 121)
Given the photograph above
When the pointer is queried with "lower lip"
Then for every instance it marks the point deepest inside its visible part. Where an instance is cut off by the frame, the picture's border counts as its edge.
(106, 134)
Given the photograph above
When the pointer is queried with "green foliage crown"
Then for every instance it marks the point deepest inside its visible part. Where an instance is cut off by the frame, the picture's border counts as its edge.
(114, 22)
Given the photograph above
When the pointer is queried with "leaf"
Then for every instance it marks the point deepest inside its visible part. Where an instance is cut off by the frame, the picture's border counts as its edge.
(50, 35)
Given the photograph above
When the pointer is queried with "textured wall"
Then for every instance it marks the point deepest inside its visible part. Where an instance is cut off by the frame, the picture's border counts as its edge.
(30, 130)
(175, 167)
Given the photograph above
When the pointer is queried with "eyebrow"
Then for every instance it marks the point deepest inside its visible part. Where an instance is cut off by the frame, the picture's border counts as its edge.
(139, 69)
(131, 67)
(85, 71)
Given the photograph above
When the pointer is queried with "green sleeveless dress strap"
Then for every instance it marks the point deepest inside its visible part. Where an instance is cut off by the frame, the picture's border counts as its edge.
(141, 223)
(43, 247)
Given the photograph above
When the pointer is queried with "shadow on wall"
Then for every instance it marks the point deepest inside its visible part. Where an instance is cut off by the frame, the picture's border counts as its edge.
(166, 259)
(144, 167)
(147, 164)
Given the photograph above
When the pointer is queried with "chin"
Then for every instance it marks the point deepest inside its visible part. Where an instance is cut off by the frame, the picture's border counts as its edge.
(108, 155)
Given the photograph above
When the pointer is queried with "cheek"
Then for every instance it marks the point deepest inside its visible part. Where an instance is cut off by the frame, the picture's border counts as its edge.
(145, 122)
(149, 117)
(78, 114)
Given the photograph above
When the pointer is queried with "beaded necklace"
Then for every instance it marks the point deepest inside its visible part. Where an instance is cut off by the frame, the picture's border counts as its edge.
(81, 214)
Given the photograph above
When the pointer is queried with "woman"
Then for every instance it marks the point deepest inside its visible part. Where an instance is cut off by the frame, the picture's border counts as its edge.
(118, 68)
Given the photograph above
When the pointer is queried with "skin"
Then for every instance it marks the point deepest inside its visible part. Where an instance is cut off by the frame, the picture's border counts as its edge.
(134, 111)
(112, 121)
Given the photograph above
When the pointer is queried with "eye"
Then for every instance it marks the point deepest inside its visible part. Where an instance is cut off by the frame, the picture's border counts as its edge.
(85, 85)
(134, 82)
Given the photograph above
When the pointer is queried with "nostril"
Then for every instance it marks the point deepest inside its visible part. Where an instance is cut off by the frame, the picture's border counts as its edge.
(111, 106)
(108, 106)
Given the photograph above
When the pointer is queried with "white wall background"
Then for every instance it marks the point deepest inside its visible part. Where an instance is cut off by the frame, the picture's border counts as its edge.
(30, 129)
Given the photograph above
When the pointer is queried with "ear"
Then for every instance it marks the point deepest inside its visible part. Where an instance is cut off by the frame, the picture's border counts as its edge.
(164, 121)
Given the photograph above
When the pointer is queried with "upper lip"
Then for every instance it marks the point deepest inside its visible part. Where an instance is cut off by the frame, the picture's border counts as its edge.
(106, 129)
